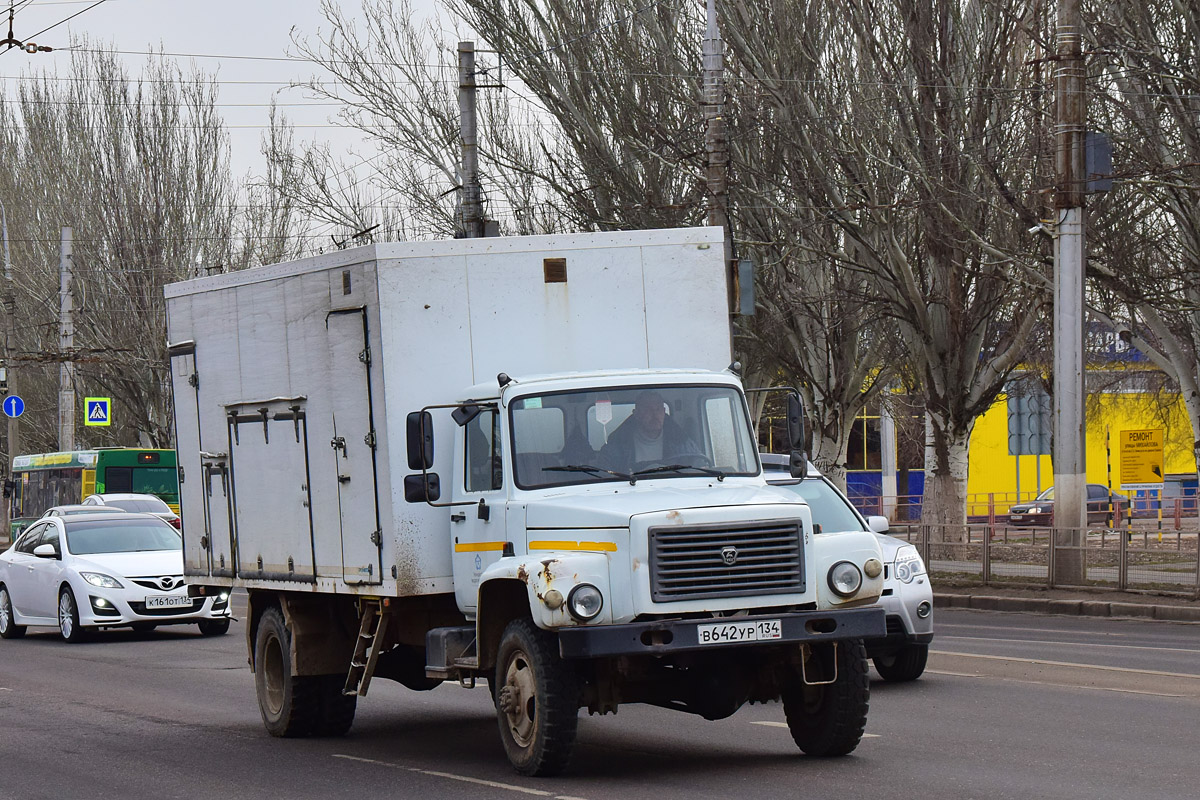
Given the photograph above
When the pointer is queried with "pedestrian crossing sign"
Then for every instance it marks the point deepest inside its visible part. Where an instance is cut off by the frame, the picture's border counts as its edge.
(99, 411)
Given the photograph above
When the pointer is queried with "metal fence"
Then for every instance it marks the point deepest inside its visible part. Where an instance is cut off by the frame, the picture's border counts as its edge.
(1135, 560)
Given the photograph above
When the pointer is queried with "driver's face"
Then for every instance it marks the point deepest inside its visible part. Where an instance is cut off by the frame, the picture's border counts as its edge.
(650, 415)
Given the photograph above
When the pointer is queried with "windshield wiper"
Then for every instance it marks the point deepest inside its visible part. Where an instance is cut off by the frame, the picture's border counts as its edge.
(589, 469)
(716, 473)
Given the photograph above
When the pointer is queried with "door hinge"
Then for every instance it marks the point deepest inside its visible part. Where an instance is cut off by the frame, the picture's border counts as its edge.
(194, 380)
(338, 443)
(369, 440)
(377, 538)
(365, 356)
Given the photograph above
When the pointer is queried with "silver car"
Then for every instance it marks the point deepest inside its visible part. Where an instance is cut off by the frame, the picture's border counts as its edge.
(907, 596)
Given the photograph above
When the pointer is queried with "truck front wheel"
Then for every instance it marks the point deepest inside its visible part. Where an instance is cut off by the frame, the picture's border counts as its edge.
(829, 719)
(295, 705)
(537, 700)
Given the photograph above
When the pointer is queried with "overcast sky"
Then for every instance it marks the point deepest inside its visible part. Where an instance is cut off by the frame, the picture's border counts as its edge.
(197, 30)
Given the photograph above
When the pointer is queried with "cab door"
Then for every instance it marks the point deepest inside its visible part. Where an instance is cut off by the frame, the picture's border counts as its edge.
(478, 529)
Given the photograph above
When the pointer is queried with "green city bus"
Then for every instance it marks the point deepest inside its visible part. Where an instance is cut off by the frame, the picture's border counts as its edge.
(54, 479)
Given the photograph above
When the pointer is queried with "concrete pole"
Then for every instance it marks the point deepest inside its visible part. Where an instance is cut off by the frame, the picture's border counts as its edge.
(716, 144)
(1070, 466)
(66, 343)
(472, 193)
(13, 440)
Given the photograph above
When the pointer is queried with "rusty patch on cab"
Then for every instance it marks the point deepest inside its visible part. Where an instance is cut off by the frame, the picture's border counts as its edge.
(522, 575)
(674, 516)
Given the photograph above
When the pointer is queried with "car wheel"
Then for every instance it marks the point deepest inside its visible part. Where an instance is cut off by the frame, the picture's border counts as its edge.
(294, 705)
(829, 719)
(68, 617)
(9, 629)
(336, 714)
(214, 627)
(905, 664)
(537, 700)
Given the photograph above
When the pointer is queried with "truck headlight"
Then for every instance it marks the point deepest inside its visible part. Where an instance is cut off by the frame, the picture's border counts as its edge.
(844, 578)
(908, 564)
(584, 602)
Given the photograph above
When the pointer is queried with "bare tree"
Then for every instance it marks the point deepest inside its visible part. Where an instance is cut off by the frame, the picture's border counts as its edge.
(139, 169)
(911, 136)
(1146, 264)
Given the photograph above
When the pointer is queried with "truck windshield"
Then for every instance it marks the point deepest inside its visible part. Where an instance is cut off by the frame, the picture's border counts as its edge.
(631, 433)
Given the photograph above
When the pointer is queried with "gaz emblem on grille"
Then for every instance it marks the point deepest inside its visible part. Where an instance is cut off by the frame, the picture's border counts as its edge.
(729, 555)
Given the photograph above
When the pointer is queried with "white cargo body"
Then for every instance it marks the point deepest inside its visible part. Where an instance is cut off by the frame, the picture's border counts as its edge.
(354, 340)
(527, 460)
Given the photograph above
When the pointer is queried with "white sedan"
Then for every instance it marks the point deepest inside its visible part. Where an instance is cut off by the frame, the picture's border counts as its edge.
(80, 573)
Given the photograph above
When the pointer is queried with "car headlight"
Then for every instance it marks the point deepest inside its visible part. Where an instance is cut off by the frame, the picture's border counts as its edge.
(1035, 510)
(584, 602)
(101, 580)
(844, 578)
(908, 564)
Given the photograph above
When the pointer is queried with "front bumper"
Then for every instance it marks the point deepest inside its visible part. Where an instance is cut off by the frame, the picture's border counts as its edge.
(680, 635)
(114, 608)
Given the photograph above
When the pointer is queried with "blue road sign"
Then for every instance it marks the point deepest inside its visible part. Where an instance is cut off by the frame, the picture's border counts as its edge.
(98, 411)
(13, 406)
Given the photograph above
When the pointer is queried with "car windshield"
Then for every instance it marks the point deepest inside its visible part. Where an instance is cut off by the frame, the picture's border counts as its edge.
(1046, 495)
(149, 505)
(630, 433)
(831, 513)
(86, 537)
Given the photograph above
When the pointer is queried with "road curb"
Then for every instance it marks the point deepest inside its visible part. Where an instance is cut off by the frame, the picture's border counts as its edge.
(1077, 608)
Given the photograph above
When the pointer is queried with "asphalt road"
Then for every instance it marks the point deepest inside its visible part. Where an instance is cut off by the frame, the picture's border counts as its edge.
(1013, 706)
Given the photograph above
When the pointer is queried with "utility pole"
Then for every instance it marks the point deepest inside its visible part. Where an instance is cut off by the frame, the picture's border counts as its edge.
(1070, 465)
(716, 144)
(472, 193)
(13, 440)
(66, 344)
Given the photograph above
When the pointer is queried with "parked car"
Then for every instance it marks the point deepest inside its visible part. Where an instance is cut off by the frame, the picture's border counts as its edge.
(138, 503)
(89, 571)
(1104, 506)
(69, 510)
(907, 595)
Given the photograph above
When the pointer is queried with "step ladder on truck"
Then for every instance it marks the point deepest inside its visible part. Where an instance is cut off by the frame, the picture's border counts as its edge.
(522, 461)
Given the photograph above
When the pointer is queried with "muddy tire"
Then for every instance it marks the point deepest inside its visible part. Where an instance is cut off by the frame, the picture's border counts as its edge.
(829, 720)
(904, 664)
(288, 704)
(537, 700)
(336, 714)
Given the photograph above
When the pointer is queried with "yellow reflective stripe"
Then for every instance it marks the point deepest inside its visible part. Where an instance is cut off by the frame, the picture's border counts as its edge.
(477, 547)
(607, 547)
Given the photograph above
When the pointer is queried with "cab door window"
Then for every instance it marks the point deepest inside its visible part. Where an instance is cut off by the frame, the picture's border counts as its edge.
(484, 462)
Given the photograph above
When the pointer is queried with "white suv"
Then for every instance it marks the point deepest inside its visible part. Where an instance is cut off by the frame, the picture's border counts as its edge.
(907, 596)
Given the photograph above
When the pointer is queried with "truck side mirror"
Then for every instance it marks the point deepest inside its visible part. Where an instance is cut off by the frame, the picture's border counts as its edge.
(423, 488)
(420, 441)
(797, 457)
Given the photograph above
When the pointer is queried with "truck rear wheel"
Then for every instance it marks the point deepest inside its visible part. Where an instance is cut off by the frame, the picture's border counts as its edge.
(904, 664)
(537, 700)
(829, 719)
(295, 705)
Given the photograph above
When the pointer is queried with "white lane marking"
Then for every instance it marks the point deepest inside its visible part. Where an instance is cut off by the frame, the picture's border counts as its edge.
(462, 778)
(1076, 644)
(5, 689)
(1069, 664)
(772, 724)
(955, 674)
(1019, 629)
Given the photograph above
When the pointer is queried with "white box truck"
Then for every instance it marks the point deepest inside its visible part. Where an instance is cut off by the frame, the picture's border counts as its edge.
(524, 460)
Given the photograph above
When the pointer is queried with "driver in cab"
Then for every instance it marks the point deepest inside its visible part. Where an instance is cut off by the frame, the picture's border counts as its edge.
(648, 436)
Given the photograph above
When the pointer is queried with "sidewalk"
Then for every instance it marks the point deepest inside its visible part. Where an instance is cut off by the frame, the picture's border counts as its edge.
(1069, 603)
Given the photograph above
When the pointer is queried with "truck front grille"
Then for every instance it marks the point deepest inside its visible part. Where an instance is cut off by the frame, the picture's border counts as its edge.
(722, 559)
